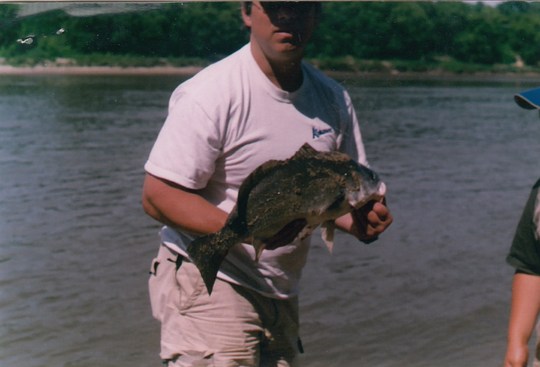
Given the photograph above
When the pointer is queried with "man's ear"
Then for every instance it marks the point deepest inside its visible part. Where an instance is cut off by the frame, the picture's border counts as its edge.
(246, 17)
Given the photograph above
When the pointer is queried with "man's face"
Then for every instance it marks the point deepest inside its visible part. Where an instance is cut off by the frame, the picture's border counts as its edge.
(281, 29)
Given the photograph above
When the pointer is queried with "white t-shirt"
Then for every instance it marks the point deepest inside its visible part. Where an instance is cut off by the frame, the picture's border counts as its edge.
(225, 122)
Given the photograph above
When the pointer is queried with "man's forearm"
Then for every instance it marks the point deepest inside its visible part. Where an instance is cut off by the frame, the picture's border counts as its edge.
(174, 206)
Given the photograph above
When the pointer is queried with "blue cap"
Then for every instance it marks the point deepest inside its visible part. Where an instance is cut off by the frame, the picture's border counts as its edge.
(530, 99)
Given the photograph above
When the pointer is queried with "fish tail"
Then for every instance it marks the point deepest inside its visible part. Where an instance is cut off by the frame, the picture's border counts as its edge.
(207, 254)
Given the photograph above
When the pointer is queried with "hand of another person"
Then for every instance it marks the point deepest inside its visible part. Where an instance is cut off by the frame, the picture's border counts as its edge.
(516, 356)
(371, 220)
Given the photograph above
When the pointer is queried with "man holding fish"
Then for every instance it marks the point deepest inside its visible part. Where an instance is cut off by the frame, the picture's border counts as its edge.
(211, 158)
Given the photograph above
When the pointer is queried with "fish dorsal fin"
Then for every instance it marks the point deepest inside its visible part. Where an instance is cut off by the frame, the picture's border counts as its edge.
(250, 182)
(305, 151)
(257, 175)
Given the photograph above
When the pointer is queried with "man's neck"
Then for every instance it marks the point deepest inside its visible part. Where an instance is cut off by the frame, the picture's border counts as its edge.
(288, 77)
(285, 75)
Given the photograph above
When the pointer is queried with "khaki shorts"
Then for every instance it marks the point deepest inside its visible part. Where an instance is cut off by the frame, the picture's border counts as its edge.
(232, 327)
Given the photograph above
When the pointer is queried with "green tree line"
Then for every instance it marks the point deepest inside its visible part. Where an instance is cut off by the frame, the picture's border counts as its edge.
(349, 33)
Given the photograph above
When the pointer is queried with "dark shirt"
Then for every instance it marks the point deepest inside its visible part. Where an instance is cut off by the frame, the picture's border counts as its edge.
(525, 251)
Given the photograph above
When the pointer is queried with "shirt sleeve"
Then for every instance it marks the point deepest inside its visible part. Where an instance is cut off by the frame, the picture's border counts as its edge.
(187, 146)
(524, 253)
(353, 144)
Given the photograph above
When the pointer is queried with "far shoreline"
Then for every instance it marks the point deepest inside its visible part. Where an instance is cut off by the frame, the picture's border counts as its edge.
(435, 75)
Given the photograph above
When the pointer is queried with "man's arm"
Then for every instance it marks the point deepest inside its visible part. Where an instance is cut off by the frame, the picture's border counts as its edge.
(179, 207)
(524, 311)
(367, 222)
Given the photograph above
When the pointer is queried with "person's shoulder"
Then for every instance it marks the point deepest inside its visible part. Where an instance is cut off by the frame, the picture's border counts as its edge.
(216, 80)
(319, 76)
(323, 82)
(327, 88)
(536, 185)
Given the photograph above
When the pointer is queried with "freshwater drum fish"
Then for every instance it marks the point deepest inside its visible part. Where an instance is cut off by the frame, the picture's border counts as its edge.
(288, 199)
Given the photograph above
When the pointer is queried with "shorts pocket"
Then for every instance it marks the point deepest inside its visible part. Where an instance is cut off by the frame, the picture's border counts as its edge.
(191, 287)
(162, 282)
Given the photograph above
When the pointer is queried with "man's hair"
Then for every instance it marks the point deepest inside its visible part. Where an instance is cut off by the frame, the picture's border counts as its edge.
(247, 7)
(248, 4)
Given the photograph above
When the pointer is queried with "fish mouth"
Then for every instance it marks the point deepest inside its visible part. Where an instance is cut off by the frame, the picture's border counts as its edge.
(378, 195)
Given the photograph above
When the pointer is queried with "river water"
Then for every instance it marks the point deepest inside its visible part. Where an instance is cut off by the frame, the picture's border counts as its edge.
(458, 157)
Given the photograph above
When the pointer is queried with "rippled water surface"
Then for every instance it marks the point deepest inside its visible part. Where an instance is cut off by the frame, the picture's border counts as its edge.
(458, 159)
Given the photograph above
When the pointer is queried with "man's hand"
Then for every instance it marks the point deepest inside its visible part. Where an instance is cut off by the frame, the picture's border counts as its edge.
(370, 221)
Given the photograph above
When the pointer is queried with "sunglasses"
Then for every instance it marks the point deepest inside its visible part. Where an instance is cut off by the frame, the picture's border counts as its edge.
(273, 7)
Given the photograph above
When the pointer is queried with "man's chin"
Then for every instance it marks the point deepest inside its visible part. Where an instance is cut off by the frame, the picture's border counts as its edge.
(291, 48)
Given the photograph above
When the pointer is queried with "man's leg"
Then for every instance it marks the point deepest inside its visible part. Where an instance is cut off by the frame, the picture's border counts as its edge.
(232, 327)
(222, 329)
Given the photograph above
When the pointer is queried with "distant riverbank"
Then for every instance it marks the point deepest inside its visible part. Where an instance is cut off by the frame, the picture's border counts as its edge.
(338, 74)
(340, 67)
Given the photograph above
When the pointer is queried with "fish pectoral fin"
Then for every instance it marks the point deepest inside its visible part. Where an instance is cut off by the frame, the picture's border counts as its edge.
(327, 234)
(259, 247)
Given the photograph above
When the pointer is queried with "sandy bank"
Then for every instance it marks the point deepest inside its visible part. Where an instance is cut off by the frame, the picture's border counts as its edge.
(97, 70)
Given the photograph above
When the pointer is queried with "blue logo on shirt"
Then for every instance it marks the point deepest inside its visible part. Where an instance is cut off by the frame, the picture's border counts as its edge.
(317, 133)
